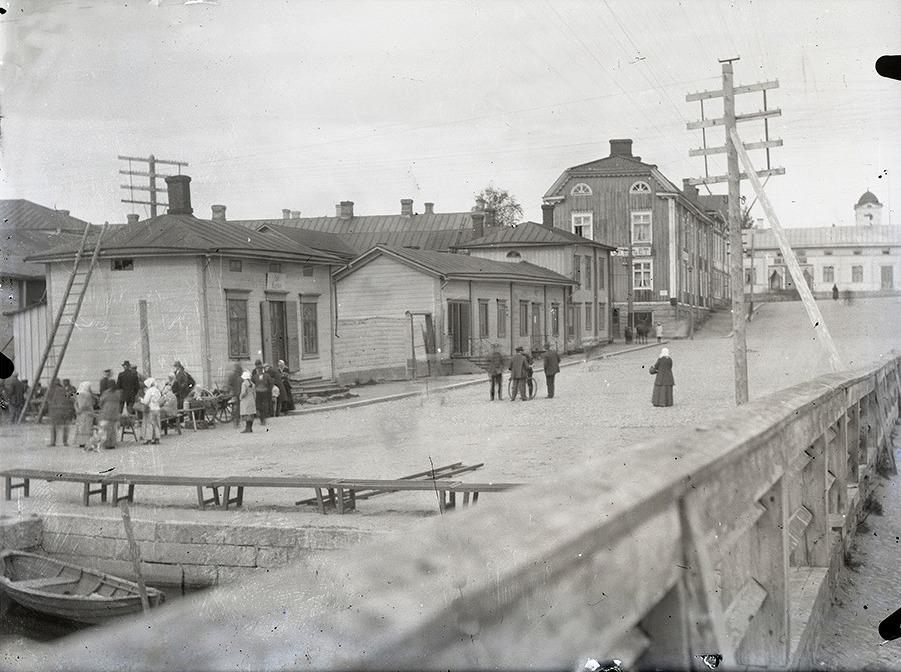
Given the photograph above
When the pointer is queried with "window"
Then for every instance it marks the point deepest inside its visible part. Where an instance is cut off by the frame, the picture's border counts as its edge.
(582, 224)
(601, 273)
(588, 272)
(602, 316)
(828, 273)
(642, 274)
(483, 318)
(857, 253)
(857, 274)
(577, 269)
(555, 319)
(234, 265)
(523, 318)
(309, 323)
(123, 264)
(886, 251)
(502, 317)
(237, 328)
(514, 255)
(570, 326)
(308, 270)
(588, 317)
(275, 267)
(827, 253)
(750, 276)
(641, 226)
(640, 188)
(581, 189)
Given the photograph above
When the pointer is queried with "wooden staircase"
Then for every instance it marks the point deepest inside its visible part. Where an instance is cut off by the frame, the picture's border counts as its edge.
(304, 388)
(65, 321)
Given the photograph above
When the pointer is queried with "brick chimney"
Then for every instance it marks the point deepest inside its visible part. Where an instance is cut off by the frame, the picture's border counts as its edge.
(295, 214)
(286, 213)
(689, 190)
(547, 215)
(490, 218)
(478, 224)
(133, 218)
(346, 209)
(429, 208)
(621, 147)
(218, 213)
(406, 207)
(179, 188)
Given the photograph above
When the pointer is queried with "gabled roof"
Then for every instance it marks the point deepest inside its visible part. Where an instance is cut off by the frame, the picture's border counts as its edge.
(317, 240)
(612, 166)
(529, 234)
(830, 236)
(17, 213)
(181, 235)
(17, 245)
(458, 266)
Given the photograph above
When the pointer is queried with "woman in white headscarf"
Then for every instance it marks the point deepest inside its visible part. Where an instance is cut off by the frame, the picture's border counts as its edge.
(663, 382)
(248, 402)
(84, 414)
(151, 402)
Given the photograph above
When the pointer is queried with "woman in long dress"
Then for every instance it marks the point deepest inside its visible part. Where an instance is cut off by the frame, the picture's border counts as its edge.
(84, 414)
(663, 382)
(248, 402)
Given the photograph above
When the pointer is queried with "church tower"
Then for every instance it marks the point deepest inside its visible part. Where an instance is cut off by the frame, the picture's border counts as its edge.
(868, 211)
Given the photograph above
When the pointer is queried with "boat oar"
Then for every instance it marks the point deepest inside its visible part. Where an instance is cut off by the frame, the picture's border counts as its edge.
(135, 556)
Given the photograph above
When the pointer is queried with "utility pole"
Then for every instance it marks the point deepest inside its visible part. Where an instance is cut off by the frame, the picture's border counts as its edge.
(151, 176)
(734, 177)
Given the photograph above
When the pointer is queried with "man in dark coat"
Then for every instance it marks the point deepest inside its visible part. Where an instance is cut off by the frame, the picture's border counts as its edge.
(495, 370)
(61, 411)
(262, 385)
(519, 372)
(107, 381)
(129, 383)
(551, 368)
(234, 386)
(15, 396)
(183, 385)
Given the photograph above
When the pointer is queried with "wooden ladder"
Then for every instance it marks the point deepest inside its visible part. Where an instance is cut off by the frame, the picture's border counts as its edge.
(69, 307)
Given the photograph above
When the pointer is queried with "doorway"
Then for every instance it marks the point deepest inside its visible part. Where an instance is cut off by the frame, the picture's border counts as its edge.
(278, 332)
(459, 321)
(887, 274)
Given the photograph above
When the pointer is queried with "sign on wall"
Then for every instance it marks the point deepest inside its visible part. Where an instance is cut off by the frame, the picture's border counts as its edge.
(641, 251)
(275, 282)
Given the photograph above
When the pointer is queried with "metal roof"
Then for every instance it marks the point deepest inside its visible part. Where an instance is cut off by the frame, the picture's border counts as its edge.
(176, 235)
(370, 223)
(830, 236)
(17, 245)
(530, 233)
(20, 214)
(868, 197)
(461, 266)
(317, 240)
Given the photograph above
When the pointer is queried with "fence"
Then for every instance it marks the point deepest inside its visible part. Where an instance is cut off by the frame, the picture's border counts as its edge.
(721, 539)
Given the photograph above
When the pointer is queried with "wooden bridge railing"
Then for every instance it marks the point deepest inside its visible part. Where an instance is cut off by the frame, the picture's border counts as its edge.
(722, 539)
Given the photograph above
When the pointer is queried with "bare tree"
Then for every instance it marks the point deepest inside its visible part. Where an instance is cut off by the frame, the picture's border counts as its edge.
(507, 209)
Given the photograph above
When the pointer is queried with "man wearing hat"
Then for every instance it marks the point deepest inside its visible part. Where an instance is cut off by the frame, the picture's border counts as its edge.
(262, 383)
(495, 370)
(107, 381)
(183, 385)
(519, 371)
(129, 383)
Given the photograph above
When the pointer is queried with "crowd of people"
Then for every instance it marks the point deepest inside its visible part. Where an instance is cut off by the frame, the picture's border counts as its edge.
(261, 393)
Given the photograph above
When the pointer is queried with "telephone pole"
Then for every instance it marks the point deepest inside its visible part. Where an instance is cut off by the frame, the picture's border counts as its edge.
(151, 176)
(733, 178)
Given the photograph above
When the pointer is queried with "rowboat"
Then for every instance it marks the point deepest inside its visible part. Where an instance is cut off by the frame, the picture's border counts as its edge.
(69, 591)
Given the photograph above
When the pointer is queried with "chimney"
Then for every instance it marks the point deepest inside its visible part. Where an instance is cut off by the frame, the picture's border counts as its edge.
(689, 190)
(218, 213)
(133, 218)
(547, 215)
(490, 218)
(179, 188)
(429, 208)
(295, 214)
(286, 214)
(346, 209)
(478, 224)
(621, 147)
(406, 207)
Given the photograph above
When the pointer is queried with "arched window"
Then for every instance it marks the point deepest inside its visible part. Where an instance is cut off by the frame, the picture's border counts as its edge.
(514, 255)
(581, 189)
(640, 188)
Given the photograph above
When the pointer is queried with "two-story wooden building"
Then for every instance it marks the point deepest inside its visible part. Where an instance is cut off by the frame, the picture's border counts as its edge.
(203, 292)
(671, 243)
(586, 313)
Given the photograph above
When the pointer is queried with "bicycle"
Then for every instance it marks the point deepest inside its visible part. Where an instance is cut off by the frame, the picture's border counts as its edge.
(531, 387)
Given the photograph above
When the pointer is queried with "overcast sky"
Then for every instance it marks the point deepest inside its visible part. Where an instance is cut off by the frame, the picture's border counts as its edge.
(300, 105)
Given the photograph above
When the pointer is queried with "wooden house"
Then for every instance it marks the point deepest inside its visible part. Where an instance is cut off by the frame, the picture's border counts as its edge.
(403, 312)
(203, 292)
(587, 311)
(670, 244)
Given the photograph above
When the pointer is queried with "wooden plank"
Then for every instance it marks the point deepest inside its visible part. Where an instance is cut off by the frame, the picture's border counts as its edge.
(721, 121)
(797, 524)
(743, 609)
(747, 88)
(714, 179)
(815, 549)
(721, 149)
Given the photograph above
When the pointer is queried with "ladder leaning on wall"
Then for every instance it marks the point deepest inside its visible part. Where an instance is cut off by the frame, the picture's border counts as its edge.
(69, 307)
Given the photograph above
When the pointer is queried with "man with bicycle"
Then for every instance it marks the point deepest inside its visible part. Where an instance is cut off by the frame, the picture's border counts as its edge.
(520, 371)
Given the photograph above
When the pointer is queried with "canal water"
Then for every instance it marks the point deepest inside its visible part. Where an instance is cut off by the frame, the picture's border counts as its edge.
(20, 625)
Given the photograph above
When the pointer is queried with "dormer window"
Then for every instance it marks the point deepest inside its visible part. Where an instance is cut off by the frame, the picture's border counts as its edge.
(123, 264)
(513, 255)
(640, 188)
(581, 189)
